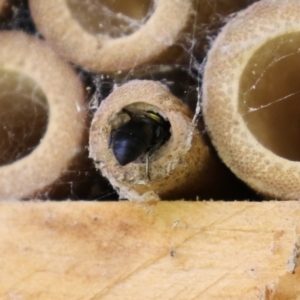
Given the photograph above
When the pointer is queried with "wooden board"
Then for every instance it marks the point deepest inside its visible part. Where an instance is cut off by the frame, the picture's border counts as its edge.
(172, 250)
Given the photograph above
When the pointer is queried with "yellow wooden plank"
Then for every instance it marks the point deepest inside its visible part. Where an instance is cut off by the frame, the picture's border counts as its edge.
(124, 250)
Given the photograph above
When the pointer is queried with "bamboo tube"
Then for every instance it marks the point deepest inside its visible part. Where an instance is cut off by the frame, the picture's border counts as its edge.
(251, 97)
(106, 36)
(42, 115)
(183, 167)
(110, 36)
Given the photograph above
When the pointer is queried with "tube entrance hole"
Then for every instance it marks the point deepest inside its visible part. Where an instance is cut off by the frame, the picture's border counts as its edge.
(112, 18)
(269, 96)
(23, 116)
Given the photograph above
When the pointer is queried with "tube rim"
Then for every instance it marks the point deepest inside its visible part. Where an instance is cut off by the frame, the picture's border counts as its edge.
(226, 61)
(61, 141)
(98, 53)
(182, 157)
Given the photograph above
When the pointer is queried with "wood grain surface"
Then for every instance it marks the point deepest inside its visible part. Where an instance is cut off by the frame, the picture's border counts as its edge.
(172, 250)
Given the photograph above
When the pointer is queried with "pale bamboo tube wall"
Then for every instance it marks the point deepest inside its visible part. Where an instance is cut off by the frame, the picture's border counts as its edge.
(93, 49)
(251, 97)
(60, 95)
(160, 31)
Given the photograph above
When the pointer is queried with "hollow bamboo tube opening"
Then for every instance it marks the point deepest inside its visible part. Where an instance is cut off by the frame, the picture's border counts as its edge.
(42, 116)
(251, 97)
(24, 116)
(111, 18)
(269, 96)
(109, 36)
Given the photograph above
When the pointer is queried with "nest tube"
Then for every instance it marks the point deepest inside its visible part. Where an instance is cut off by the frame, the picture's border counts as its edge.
(251, 97)
(109, 36)
(42, 103)
(184, 167)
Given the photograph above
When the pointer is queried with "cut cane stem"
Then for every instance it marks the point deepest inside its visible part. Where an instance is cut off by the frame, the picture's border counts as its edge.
(183, 167)
(251, 97)
(42, 103)
(90, 41)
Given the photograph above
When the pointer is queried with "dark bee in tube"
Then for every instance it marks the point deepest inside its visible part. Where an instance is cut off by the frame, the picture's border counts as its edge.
(143, 134)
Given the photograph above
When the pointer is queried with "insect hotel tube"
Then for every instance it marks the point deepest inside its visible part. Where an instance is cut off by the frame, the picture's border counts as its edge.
(108, 36)
(183, 166)
(251, 97)
(42, 115)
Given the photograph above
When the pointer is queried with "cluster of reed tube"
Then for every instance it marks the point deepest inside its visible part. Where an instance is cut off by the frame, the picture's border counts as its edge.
(249, 96)
(48, 92)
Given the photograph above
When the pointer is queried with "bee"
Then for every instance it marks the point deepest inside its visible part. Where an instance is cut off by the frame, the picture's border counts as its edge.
(143, 134)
